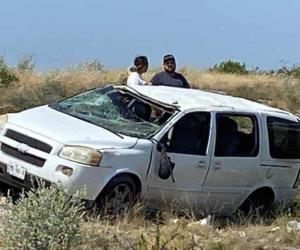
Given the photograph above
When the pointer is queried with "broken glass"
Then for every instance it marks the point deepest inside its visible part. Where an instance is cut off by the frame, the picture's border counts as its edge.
(116, 111)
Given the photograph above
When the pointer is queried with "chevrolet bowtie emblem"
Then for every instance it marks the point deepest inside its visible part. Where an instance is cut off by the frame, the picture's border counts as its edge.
(23, 148)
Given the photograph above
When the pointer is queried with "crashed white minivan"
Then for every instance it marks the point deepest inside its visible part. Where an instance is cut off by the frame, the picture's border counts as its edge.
(208, 151)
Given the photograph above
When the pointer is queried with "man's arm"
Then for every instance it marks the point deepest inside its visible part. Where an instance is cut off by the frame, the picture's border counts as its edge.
(185, 82)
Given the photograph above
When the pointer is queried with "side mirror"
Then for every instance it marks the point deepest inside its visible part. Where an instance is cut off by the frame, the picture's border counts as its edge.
(166, 168)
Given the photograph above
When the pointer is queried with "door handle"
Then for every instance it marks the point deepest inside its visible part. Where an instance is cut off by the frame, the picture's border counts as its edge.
(201, 164)
(217, 165)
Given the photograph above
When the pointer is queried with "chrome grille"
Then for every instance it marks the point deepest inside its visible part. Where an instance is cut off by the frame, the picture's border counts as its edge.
(22, 143)
(34, 143)
(32, 159)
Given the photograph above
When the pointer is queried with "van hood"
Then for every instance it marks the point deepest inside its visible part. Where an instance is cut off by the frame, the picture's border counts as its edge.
(68, 130)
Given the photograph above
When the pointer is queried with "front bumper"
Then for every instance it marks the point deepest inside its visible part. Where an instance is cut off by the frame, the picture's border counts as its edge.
(90, 180)
(29, 182)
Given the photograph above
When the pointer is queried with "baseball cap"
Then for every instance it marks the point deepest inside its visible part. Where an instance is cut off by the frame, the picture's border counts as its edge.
(169, 57)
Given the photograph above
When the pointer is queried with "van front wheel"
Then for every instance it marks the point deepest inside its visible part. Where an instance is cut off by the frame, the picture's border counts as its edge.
(118, 196)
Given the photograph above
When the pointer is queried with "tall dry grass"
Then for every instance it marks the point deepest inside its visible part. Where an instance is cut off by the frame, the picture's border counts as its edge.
(278, 91)
(134, 231)
(35, 88)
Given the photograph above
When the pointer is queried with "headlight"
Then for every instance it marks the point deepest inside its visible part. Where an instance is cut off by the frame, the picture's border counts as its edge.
(79, 154)
(3, 120)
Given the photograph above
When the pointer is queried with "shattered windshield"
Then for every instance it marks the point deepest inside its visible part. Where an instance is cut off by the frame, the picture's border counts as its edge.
(117, 111)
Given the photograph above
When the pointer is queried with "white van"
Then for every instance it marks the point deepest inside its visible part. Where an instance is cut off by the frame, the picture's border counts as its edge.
(206, 150)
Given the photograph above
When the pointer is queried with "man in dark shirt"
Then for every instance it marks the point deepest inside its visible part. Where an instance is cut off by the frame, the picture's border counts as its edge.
(169, 77)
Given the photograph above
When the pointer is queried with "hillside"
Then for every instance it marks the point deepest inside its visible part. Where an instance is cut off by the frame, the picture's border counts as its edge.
(33, 88)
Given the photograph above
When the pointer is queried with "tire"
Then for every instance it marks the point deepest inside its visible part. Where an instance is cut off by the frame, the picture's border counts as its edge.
(253, 208)
(118, 195)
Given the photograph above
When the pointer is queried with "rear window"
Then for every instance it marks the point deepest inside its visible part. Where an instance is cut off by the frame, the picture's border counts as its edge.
(284, 138)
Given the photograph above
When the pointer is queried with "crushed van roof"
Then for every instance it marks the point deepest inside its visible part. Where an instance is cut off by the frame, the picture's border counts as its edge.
(193, 98)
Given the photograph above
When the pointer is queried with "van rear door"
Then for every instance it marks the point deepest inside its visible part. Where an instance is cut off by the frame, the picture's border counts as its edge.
(235, 165)
(282, 152)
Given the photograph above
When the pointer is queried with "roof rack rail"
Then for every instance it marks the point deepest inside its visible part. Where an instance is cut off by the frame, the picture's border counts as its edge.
(216, 92)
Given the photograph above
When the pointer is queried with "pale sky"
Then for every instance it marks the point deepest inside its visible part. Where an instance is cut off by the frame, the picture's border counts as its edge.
(200, 33)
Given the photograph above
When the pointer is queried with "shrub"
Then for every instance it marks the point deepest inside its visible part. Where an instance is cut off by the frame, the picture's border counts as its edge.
(45, 218)
(230, 67)
(94, 65)
(295, 71)
(47, 91)
(6, 74)
(26, 63)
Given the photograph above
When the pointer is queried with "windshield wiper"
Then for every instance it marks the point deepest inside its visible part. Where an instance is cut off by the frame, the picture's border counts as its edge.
(112, 131)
